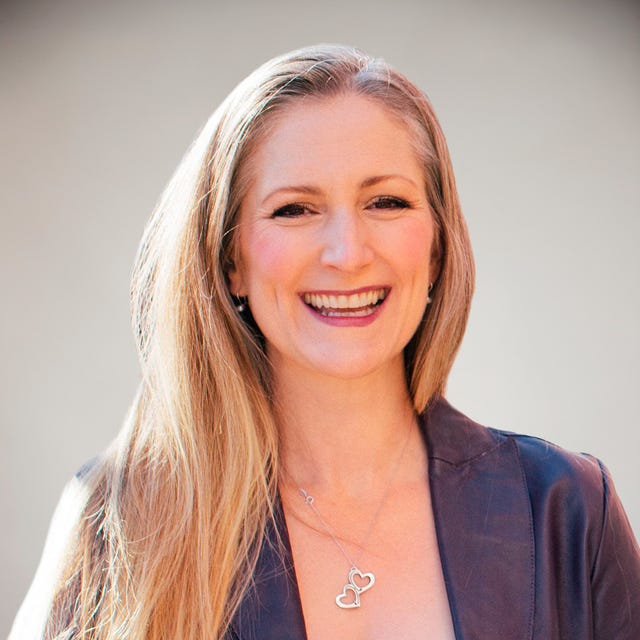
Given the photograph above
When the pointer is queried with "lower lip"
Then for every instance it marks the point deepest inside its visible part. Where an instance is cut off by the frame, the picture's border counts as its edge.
(348, 321)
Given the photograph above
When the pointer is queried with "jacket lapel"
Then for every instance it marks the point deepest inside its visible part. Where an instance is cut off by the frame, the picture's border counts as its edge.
(484, 526)
(271, 608)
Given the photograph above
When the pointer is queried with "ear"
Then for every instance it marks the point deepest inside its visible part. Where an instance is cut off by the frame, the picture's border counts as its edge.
(236, 280)
(435, 264)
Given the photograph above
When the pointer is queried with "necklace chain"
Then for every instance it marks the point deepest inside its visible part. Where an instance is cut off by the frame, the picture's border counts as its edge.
(308, 499)
(349, 597)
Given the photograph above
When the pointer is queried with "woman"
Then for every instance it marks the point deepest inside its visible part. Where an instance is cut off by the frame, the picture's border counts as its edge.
(290, 468)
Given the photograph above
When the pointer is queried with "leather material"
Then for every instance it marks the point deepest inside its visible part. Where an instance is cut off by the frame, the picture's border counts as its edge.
(533, 541)
(271, 607)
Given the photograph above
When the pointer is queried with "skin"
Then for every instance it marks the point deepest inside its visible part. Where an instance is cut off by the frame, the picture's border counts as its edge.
(336, 206)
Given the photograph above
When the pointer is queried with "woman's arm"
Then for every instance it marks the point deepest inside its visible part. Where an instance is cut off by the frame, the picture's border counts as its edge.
(615, 576)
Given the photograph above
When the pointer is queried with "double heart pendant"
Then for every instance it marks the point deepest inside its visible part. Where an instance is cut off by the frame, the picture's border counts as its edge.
(358, 582)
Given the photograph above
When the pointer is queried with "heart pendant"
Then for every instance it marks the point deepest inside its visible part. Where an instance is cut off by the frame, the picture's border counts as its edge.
(365, 580)
(358, 582)
(342, 599)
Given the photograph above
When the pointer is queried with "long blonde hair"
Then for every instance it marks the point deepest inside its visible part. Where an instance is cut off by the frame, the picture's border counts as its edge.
(178, 505)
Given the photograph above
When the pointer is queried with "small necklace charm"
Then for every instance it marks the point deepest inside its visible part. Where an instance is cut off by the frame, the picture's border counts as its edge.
(358, 582)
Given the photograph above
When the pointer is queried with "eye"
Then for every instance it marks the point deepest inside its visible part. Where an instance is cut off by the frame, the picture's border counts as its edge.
(293, 210)
(389, 202)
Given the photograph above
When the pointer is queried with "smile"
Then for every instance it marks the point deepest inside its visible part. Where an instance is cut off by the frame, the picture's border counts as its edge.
(342, 305)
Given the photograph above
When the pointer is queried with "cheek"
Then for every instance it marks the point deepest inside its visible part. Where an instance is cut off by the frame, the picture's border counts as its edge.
(271, 257)
(413, 248)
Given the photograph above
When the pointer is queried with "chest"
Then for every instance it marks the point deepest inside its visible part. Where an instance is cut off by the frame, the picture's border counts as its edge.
(408, 596)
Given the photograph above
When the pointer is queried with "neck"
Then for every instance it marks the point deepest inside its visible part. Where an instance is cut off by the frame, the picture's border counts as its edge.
(344, 436)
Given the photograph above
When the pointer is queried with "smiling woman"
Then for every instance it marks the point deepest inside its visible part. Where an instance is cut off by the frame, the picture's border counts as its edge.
(290, 468)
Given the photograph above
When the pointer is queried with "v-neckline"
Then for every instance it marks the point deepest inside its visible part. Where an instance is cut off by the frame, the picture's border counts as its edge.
(484, 530)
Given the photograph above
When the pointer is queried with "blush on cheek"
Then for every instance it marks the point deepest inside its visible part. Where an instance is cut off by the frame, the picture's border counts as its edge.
(273, 257)
(271, 261)
(415, 244)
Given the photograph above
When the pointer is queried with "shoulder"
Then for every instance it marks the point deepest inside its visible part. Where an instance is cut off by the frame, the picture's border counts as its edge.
(580, 525)
(549, 467)
(32, 616)
(569, 492)
(583, 547)
(550, 472)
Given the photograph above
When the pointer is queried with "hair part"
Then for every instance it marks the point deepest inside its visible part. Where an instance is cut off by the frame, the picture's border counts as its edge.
(178, 506)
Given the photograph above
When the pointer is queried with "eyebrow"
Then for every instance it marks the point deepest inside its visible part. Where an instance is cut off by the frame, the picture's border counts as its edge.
(314, 191)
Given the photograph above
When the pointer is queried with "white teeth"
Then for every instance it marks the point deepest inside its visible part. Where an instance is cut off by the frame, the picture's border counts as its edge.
(355, 303)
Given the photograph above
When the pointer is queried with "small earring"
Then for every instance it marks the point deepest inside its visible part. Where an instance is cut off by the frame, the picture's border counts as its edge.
(241, 303)
(429, 291)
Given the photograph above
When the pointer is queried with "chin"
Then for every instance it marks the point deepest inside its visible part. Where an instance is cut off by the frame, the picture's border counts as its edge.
(354, 368)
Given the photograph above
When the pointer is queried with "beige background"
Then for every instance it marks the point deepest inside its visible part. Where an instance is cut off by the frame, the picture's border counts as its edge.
(540, 102)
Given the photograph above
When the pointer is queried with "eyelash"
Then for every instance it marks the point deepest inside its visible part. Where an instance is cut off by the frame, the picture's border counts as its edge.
(390, 202)
(295, 210)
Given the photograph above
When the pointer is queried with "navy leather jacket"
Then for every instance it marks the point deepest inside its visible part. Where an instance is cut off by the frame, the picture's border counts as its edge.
(533, 540)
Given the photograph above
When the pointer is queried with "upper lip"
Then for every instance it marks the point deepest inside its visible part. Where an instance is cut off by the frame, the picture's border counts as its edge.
(346, 299)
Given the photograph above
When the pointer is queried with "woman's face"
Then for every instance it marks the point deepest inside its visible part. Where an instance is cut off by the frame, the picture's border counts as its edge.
(335, 238)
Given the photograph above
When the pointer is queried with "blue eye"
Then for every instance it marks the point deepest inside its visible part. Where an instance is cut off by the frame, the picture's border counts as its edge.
(293, 210)
(389, 202)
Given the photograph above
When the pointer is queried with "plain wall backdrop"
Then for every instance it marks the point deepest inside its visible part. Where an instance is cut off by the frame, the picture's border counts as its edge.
(540, 102)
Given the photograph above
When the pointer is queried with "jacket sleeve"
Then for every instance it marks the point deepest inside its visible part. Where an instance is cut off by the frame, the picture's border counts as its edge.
(32, 616)
(615, 575)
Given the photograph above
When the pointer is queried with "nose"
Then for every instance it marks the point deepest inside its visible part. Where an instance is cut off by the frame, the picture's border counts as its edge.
(346, 242)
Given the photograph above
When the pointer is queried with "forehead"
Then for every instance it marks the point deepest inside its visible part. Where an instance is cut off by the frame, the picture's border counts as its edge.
(318, 137)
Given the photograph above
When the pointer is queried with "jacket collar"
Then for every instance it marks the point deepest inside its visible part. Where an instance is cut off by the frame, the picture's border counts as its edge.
(485, 537)
(271, 608)
(484, 525)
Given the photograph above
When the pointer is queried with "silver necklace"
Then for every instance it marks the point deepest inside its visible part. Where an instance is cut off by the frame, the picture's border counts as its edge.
(357, 581)
(349, 597)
